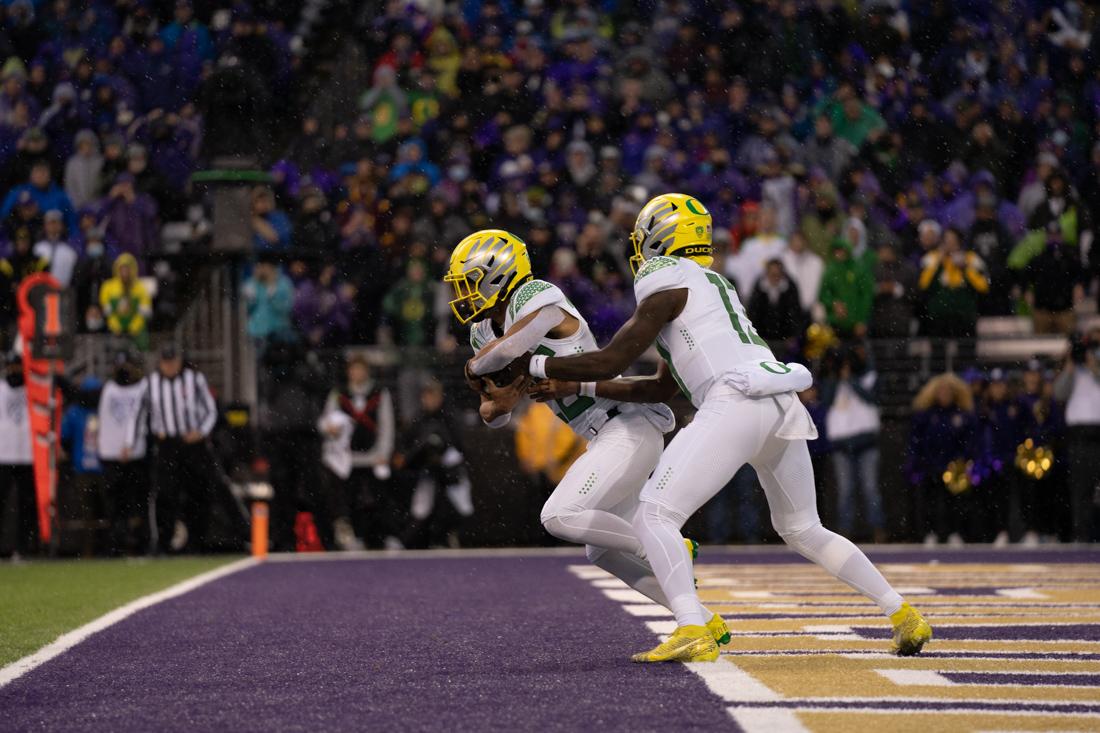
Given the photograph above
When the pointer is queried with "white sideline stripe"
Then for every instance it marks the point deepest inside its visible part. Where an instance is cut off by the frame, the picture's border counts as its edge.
(930, 711)
(1020, 593)
(67, 641)
(731, 683)
(827, 628)
(609, 583)
(626, 595)
(649, 610)
(589, 572)
(909, 677)
(767, 720)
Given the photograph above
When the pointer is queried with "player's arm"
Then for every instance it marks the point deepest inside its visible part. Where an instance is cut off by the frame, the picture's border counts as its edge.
(657, 387)
(625, 347)
(522, 337)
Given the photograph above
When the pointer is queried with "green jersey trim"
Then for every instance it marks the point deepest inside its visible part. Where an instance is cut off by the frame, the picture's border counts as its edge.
(672, 368)
(524, 294)
(653, 265)
(576, 408)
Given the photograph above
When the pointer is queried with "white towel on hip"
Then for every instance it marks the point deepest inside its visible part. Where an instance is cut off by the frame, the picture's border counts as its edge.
(763, 378)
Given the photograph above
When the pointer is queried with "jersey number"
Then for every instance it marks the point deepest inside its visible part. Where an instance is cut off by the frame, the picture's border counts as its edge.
(749, 335)
(572, 410)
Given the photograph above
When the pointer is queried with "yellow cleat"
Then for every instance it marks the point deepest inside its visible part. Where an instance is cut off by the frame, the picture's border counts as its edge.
(687, 644)
(911, 631)
(718, 630)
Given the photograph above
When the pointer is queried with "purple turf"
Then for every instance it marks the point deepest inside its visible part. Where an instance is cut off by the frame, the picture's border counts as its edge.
(1022, 678)
(411, 644)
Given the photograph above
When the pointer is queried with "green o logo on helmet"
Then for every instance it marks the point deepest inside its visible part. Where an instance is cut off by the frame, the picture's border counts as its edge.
(696, 208)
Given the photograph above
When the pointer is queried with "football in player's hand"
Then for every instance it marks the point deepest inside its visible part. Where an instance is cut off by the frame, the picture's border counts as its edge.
(509, 374)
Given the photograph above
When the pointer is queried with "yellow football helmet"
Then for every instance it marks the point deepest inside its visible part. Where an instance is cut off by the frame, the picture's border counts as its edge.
(672, 224)
(485, 267)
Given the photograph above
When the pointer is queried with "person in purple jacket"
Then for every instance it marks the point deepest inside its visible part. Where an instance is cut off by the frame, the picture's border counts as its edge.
(944, 432)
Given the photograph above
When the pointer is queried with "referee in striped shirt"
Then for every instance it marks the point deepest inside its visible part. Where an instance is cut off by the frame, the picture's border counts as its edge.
(179, 413)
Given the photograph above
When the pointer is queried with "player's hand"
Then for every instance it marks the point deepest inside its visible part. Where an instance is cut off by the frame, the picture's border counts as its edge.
(552, 389)
(474, 382)
(505, 397)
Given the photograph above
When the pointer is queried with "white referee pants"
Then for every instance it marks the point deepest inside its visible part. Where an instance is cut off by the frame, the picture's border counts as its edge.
(729, 431)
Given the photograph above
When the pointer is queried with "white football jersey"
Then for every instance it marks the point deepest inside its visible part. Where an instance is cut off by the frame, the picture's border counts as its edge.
(711, 336)
(584, 415)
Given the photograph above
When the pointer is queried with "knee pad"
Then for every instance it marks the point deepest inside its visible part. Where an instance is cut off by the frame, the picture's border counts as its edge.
(556, 523)
(819, 545)
(652, 513)
(594, 554)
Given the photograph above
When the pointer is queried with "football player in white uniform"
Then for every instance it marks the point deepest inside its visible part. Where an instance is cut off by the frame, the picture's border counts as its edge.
(594, 504)
(748, 412)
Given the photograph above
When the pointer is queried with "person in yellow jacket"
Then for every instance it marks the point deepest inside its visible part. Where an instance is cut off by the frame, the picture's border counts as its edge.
(545, 445)
(126, 303)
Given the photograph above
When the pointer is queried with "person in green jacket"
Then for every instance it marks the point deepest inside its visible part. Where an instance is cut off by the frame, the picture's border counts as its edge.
(847, 291)
(408, 307)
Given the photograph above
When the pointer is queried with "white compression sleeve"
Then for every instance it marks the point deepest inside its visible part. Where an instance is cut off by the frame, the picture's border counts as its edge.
(499, 421)
(517, 342)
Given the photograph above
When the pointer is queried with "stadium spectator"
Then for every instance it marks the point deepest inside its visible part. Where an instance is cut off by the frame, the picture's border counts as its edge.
(92, 269)
(991, 240)
(359, 430)
(270, 226)
(269, 295)
(1055, 277)
(43, 191)
(774, 306)
(84, 170)
(748, 265)
(1078, 388)
(59, 255)
(847, 290)
(852, 424)
(806, 270)
(824, 223)
(125, 302)
(409, 307)
(940, 459)
(953, 280)
(826, 151)
(130, 218)
(895, 286)
(16, 470)
(324, 308)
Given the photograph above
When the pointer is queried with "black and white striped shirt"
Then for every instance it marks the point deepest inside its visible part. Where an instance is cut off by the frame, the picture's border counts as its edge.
(175, 407)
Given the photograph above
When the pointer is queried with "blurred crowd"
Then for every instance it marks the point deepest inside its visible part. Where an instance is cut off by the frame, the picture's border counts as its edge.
(1005, 455)
(102, 109)
(882, 168)
(875, 169)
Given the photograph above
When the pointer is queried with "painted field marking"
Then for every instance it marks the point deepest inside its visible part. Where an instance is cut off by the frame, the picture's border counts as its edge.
(767, 720)
(68, 640)
(918, 677)
(625, 595)
(1030, 593)
(609, 583)
(647, 610)
(731, 683)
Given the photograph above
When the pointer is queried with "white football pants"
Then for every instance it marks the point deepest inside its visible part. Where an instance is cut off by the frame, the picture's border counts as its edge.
(728, 431)
(597, 500)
